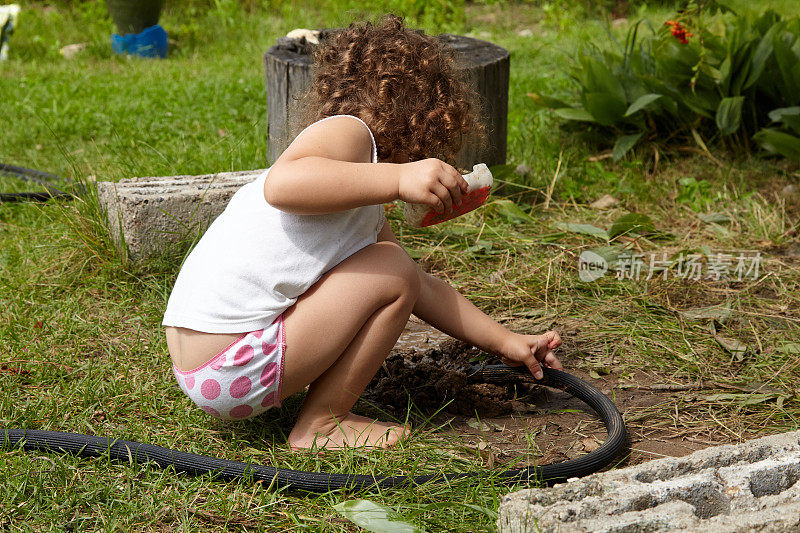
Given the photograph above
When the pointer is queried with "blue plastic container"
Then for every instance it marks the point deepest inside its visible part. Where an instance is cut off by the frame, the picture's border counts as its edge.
(151, 42)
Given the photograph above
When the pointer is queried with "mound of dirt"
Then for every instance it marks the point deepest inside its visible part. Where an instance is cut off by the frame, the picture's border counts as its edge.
(437, 379)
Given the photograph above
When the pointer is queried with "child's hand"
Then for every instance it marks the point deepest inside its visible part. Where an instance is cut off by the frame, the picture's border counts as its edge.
(532, 351)
(431, 182)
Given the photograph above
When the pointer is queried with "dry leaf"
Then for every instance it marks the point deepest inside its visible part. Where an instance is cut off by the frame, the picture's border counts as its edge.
(477, 424)
(590, 444)
(604, 202)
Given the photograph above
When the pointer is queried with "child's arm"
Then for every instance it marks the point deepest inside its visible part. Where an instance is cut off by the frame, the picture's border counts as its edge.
(328, 168)
(441, 306)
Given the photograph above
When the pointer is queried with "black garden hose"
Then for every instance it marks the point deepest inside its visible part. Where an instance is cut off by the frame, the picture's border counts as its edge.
(194, 464)
(37, 176)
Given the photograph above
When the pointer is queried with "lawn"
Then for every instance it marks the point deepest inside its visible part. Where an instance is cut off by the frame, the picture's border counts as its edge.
(691, 362)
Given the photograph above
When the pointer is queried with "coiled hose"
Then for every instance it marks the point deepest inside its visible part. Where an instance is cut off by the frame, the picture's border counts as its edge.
(37, 176)
(194, 464)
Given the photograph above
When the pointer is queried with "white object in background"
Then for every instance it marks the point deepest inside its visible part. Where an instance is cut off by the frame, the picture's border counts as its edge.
(480, 183)
(8, 20)
(311, 36)
(71, 50)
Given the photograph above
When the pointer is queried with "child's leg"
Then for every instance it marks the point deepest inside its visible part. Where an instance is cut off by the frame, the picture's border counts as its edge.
(337, 335)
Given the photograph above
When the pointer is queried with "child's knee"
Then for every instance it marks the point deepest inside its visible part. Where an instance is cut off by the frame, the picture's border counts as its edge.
(410, 277)
(402, 268)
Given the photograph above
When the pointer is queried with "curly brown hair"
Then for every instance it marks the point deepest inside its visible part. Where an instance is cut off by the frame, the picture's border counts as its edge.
(401, 82)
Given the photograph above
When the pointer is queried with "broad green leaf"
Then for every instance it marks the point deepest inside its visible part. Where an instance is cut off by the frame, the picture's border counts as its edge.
(711, 72)
(574, 113)
(725, 74)
(547, 101)
(695, 104)
(779, 142)
(624, 144)
(600, 78)
(584, 229)
(642, 102)
(729, 114)
(744, 62)
(481, 247)
(790, 348)
(676, 59)
(632, 223)
(706, 99)
(760, 57)
(606, 108)
(714, 312)
(373, 517)
(788, 115)
(715, 218)
(787, 60)
(510, 211)
(777, 115)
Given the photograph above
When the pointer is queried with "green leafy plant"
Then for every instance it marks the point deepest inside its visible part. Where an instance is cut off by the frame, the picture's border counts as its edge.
(784, 140)
(685, 81)
(695, 193)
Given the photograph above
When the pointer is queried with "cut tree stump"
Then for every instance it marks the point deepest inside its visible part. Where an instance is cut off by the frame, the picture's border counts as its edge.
(288, 68)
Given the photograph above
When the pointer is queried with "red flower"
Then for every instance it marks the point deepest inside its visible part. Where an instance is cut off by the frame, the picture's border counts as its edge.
(678, 31)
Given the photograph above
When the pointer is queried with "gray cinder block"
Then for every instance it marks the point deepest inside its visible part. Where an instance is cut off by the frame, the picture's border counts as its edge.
(150, 215)
(733, 488)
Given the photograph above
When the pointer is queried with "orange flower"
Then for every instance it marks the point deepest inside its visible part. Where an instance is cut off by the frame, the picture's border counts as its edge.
(678, 31)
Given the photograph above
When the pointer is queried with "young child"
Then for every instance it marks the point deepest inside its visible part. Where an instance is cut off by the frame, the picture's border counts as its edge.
(300, 282)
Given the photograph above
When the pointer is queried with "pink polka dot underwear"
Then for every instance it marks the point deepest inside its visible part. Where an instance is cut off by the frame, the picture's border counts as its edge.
(241, 381)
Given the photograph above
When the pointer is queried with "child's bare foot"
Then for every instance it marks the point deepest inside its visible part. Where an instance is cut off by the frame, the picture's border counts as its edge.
(349, 431)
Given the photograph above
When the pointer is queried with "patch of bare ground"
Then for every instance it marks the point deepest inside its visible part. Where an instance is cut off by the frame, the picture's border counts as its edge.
(521, 424)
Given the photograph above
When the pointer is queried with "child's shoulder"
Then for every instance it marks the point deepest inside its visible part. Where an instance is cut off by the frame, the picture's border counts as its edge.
(341, 137)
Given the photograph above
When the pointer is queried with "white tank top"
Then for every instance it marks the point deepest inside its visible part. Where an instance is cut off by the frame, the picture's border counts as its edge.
(255, 260)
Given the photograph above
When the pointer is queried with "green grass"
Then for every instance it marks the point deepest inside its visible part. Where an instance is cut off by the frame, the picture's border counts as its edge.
(80, 336)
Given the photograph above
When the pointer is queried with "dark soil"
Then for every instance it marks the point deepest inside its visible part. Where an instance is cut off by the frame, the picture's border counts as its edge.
(501, 422)
(437, 379)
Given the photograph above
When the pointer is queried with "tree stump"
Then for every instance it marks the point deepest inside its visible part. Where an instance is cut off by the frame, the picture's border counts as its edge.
(288, 67)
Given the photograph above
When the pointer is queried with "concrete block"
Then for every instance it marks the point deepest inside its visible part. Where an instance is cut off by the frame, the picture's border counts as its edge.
(734, 488)
(150, 215)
